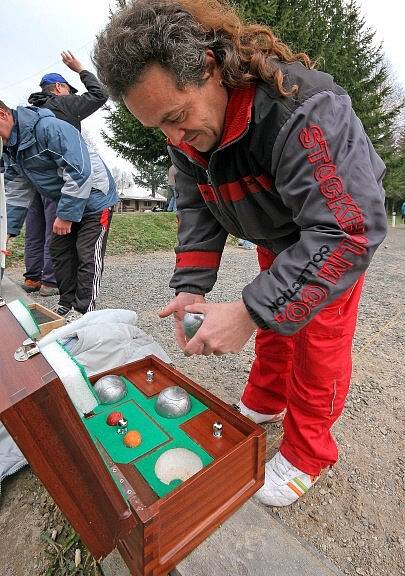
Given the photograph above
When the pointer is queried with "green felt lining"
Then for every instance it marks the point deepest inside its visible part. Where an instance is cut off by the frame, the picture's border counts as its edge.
(148, 404)
(152, 435)
(140, 412)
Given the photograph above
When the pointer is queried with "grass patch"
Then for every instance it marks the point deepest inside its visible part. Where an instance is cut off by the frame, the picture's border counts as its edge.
(136, 232)
(142, 232)
(16, 247)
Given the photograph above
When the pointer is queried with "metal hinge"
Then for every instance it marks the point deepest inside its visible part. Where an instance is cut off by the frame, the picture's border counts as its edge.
(28, 348)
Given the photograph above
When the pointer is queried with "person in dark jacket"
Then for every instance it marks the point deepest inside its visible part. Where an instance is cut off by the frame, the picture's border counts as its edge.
(268, 149)
(62, 99)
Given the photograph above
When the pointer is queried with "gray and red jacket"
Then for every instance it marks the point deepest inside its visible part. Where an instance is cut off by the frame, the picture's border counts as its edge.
(297, 175)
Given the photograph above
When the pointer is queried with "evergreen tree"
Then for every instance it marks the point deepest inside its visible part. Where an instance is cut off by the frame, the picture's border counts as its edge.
(335, 36)
(151, 176)
(145, 148)
(262, 12)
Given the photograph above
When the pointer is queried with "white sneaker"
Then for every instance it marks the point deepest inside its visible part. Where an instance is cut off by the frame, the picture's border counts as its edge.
(283, 483)
(258, 417)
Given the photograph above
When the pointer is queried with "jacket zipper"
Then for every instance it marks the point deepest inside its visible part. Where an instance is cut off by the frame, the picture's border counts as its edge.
(220, 202)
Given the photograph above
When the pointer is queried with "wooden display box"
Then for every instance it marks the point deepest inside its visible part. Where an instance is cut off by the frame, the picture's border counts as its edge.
(46, 319)
(152, 533)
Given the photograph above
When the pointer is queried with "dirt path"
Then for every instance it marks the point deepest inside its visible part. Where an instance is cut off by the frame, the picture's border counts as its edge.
(355, 515)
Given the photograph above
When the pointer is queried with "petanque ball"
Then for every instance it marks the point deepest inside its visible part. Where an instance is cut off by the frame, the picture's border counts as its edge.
(173, 402)
(110, 389)
(191, 323)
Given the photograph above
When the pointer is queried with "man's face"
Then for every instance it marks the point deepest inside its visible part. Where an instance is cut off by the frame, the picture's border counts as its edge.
(194, 115)
(6, 124)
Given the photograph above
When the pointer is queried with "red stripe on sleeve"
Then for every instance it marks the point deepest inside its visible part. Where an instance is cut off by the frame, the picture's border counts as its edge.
(198, 260)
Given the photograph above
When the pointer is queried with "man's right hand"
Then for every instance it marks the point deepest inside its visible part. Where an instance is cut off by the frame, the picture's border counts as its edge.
(72, 62)
(176, 307)
(61, 227)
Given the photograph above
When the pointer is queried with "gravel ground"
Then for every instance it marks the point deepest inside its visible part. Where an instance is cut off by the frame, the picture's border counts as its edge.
(355, 514)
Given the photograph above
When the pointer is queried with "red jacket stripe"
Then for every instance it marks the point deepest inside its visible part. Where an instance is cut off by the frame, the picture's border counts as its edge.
(265, 181)
(198, 259)
(207, 192)
(234, 191)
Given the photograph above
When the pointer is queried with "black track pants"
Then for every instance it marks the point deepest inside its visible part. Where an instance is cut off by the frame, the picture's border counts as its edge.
(78, 260)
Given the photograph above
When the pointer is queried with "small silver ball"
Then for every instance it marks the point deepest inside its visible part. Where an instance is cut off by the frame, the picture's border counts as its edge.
(110, 389)
(173, 402)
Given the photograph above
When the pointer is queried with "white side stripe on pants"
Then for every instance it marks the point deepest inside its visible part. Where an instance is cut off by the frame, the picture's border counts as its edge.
(98, 269)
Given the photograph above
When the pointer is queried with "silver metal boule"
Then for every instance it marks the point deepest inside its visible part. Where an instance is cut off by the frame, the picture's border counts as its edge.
(191, 323)
(110, 389)
(173, 402)
(150, 375)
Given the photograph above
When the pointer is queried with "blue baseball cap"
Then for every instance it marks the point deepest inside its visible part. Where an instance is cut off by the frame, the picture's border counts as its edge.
(53, 78)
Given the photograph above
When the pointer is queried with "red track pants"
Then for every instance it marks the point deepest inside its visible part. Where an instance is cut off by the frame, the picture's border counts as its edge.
(309, 374)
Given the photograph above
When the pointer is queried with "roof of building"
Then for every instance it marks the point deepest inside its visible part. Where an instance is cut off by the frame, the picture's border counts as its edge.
(136, 193)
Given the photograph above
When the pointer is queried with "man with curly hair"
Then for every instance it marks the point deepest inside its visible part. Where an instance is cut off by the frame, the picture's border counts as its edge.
(268, 149)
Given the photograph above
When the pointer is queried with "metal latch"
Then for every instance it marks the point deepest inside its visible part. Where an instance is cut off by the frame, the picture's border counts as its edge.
(28, 348)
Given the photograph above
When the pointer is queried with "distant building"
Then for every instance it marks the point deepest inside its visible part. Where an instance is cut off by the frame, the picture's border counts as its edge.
(134, 199)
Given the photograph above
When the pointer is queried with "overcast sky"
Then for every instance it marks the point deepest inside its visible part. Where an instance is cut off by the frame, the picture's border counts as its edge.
(34, 32)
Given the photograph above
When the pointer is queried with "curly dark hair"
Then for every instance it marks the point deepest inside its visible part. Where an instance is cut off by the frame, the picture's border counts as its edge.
(176, 34)
(4, 106)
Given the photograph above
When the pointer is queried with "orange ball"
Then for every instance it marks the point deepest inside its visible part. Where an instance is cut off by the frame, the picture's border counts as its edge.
(132, 439)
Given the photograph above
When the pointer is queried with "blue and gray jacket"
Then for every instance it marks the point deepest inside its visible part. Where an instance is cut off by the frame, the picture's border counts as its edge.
(49, 156)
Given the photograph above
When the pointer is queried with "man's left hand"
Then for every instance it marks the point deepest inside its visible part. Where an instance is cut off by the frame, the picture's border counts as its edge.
(226, 328)
(61, 227)
(72, 62)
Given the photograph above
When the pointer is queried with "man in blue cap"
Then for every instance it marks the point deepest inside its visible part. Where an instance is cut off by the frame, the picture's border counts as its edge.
(61, 98)
(55, 83)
